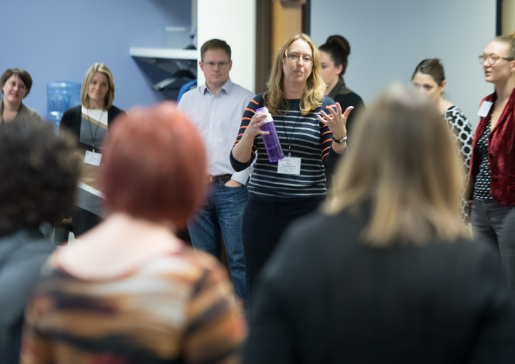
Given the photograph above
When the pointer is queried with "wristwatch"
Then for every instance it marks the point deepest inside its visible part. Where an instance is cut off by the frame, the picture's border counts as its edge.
(340, 141)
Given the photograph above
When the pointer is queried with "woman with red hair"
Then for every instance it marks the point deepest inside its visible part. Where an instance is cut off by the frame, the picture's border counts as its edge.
(130, 291)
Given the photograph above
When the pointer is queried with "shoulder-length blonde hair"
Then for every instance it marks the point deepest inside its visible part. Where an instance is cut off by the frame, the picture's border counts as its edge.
(404, 162)
(315, 87)
(102, 68)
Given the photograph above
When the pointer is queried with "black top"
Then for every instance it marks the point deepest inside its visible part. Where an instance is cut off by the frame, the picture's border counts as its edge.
(482, 185)
(71, 120)
(21, 256)
(325, 297)
(346, 97)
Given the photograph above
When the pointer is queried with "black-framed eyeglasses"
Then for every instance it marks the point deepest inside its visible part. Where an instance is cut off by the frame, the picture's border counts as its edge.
(295, 58)
(213, 64)
(492, 59)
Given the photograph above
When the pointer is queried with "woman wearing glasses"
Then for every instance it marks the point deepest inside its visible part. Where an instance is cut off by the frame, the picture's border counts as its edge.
(429, 79)
(312, 133)
(491, 185)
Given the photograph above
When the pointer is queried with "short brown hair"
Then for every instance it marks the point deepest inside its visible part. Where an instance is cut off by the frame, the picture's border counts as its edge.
(102, 68)
(215, 44)
(405, 163)
(39, 172)
(432, 67)
(21, 73)
(154, 165)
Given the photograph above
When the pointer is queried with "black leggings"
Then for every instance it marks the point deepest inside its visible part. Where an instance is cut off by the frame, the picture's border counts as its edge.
(263, 225)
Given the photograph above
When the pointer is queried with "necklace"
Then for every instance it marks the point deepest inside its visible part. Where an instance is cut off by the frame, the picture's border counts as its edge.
(93, 137)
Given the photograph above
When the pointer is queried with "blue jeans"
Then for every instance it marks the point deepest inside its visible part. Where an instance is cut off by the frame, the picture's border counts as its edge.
(220, 216)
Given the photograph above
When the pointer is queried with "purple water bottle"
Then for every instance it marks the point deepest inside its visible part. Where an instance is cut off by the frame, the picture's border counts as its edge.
(272, 143)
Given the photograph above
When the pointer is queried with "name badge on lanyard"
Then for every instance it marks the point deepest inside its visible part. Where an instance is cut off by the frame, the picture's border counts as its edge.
(92, 158)
(289, 165)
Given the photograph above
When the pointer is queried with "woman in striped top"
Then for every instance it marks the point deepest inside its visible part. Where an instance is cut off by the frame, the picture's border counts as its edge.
(129, 291)
(307, 124)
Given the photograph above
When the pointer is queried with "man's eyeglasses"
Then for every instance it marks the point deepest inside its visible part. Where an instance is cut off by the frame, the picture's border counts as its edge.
(492, 59)
(296, 57)
(213, 64)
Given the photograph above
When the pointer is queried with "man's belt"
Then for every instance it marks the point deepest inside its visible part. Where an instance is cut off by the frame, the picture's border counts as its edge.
(223, 177)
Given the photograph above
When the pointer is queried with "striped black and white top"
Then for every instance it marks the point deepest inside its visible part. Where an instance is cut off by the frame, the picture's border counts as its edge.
(302, 135)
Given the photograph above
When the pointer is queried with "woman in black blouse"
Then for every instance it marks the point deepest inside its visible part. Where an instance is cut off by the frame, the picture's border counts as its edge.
(334, 56)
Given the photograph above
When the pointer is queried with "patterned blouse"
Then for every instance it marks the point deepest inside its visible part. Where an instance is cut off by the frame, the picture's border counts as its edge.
(482, 185)
(178, 308)
(462, 132)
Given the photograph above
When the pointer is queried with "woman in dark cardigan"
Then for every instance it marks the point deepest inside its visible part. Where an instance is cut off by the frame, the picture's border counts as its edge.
(387, 273)
(90, 122)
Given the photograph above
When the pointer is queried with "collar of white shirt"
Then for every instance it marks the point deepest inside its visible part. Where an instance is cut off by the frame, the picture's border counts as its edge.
(226, 88)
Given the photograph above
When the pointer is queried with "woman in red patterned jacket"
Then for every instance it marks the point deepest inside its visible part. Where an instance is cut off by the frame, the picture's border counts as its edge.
(491, 185)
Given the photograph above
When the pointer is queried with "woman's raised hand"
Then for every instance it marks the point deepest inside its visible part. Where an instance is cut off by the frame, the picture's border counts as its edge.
(336, 121)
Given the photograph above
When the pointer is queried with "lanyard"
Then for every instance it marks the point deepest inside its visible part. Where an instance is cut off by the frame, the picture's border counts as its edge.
(286, 136)
(93, 137)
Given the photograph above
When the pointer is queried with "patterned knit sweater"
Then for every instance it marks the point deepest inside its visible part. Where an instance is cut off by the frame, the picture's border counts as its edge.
(177, 308)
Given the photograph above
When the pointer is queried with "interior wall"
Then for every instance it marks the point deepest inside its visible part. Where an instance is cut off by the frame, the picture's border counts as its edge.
(235, 22)
(60, 39)
(286, 22)
(508, 16)
(389, 38)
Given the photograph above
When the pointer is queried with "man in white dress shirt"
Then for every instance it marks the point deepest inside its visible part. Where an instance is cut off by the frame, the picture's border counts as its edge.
(216, 108)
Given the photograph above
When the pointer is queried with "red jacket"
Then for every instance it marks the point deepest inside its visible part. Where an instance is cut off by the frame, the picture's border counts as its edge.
(501, 153)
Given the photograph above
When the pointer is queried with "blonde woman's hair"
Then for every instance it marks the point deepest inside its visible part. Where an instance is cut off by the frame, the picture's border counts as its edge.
(315, 86)
(102, 68)
(403, 161)
(510, 40)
